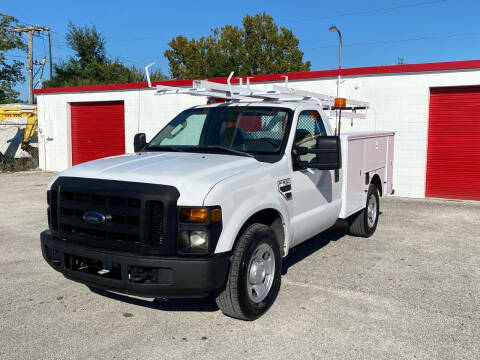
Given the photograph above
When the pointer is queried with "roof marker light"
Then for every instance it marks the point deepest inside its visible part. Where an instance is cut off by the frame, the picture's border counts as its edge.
(340, 102)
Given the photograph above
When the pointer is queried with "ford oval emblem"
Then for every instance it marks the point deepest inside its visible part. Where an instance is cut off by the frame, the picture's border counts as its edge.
(94, 217)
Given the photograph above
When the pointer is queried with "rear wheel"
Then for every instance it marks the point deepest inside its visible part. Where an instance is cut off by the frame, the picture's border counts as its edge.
(254, 278)
(364, 223)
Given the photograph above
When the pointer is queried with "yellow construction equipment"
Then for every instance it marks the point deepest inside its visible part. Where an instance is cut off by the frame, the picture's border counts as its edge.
(31, 123)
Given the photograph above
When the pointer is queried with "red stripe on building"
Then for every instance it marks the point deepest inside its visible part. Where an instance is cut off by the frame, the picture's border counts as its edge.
(361, 71)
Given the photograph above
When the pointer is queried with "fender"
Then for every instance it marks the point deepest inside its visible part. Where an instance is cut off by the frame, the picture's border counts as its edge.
(232, 228)
(244, 195)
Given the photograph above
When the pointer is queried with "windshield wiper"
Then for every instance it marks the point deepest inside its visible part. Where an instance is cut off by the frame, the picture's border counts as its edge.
(164, 148)
(221, 149)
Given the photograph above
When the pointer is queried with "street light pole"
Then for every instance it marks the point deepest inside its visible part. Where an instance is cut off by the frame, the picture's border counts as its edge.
(332, 29)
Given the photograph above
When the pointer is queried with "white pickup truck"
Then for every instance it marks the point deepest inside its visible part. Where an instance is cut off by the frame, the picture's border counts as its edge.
(214, 201)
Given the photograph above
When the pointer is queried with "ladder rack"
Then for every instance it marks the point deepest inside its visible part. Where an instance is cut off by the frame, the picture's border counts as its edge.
(245, 93)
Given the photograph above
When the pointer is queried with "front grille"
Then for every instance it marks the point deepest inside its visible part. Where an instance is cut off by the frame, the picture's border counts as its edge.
(122, 224)
(102, 200)
(115, 219)
(99, 234)
(135, 220)
(52, 209)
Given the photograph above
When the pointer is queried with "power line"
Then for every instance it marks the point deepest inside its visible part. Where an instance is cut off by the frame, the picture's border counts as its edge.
(396, 41)
(366, 43)
(363, 12)
(128, 60)
(353, 13)
(14, 56)
(151, 38)
(59, 46)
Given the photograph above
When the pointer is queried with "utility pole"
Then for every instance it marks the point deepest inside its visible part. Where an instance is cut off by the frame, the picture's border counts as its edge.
(50, 52)
(30, 30)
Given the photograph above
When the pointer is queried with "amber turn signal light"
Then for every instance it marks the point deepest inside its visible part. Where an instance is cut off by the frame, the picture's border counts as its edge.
(216, 215)
(201, 215)
(194, 215)
(340, 102)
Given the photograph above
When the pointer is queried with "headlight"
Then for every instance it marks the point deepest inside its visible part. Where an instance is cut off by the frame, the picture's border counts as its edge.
(198, 229)
(193, 242)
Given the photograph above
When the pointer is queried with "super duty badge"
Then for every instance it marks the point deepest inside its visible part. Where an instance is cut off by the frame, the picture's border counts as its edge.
(285, 188)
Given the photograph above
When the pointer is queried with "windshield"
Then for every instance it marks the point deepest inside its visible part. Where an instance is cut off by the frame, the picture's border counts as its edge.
(251, 130)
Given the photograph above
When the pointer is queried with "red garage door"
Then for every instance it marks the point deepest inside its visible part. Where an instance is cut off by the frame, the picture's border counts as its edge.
(98, 130)
(453, 156)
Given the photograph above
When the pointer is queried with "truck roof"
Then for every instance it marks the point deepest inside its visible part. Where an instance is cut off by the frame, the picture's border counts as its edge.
(283, 104)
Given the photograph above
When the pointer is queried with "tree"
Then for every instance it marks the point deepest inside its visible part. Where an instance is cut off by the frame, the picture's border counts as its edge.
(90, 65)
(88, 44)
(138, 75)
(257, 48)
(10, 71)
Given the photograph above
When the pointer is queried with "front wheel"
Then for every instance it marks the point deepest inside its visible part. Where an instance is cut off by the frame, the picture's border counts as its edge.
(254, 278)
(364, 223)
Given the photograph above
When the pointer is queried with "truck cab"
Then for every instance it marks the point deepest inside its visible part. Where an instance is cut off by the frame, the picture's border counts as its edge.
(211, 204)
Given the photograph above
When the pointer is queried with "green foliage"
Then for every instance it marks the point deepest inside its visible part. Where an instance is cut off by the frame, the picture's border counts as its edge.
(138, 75)
(257, 48)
(88, 44)
(90, 65)
(10, 71)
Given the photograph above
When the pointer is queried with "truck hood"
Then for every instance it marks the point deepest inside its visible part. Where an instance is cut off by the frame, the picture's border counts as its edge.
(193, 174)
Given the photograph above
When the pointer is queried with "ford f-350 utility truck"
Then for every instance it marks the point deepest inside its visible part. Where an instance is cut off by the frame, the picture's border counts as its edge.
(217, 198)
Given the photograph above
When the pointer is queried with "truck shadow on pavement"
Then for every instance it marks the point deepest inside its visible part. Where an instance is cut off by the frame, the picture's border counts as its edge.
(312, 245)
(296, 254)
(202, 304)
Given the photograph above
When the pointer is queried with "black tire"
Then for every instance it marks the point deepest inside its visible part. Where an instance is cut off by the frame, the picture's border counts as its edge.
(234, 300)
(358, 223)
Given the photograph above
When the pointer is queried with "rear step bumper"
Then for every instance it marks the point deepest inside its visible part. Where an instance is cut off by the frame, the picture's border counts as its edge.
(140, 275)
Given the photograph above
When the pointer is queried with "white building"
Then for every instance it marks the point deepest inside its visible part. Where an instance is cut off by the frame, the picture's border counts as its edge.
(434, 109)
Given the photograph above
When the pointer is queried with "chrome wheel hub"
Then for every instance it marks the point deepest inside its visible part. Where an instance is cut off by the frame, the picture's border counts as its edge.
(261, 271)
(371, 211)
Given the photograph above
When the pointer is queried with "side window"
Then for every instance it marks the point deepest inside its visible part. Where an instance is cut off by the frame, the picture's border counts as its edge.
(309, 128)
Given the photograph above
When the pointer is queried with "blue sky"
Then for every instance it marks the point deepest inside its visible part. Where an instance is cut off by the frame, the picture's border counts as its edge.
(374, 32)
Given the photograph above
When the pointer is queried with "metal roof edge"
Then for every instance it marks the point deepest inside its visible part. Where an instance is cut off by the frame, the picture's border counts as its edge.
(369, 70)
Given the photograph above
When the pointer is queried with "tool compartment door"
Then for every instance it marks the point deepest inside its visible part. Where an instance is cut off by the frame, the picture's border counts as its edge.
(364, 155)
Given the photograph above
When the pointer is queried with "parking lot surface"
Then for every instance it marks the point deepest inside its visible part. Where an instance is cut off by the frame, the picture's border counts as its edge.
(410, 291)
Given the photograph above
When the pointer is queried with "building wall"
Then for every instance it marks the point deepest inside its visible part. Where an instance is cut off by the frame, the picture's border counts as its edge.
(399, 102)
(144, 112)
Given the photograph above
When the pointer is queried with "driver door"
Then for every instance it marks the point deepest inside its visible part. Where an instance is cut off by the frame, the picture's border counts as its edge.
(315, 194)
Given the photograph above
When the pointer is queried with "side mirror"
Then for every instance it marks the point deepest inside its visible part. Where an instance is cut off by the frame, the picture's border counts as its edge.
(327, 154)
(139, 142)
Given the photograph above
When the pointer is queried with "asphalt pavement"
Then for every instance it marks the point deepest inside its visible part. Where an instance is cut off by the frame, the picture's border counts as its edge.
(412, 291)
